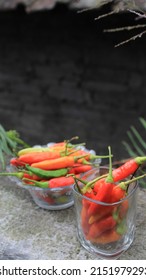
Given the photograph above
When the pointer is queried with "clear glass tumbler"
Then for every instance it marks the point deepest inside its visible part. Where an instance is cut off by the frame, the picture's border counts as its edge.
(110, 230)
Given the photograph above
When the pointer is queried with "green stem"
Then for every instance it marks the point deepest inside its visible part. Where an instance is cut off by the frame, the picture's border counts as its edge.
(16, 174)
(98, 156)
(140, 160)
(123, 185)
(89, 184)
(43, 185)
(109, 178)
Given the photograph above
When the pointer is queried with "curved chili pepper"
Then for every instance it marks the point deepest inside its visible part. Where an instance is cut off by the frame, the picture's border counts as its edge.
(103, 195)
(16, 162)
(54, 183)
(80, 168)
(104, 211)
(98, 228)
(63, 162)
(125, 170)
(118, 193)
(46, 174)
(32, 150)
(58, 163)
(107, 237)
(30, 158)
(104, 190)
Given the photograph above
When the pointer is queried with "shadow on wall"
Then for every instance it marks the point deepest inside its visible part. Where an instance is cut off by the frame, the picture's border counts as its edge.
(61, 76)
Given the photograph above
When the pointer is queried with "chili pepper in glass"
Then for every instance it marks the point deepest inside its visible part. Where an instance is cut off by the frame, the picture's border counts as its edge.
(107, 233)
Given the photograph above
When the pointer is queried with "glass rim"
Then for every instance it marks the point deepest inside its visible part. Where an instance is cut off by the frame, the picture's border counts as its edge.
(107, 203)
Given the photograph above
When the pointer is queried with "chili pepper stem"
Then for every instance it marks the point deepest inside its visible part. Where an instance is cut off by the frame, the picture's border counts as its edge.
(67, 142)
(78, 179)
(89, 184)
(76, 183)
(109, 178)
(16, 174)
(36, 183)
(124, 185)
(98, 156)
(140, 160)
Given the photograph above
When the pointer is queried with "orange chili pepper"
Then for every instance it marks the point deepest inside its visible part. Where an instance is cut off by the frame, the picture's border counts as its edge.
(107, 237)
(104, 211)
(30, 158)
(98, 228)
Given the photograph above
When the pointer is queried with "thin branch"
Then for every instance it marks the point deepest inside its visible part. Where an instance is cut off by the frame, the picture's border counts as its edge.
(128, 28)
(131, 39)
(141, 15)
(105, 15)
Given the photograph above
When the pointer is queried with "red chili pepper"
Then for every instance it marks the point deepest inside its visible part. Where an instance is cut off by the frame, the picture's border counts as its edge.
(87, 202)
(80, 168)
(117, 193)
(98, 228)
(84, 221)
(54, 183)
(16, 162)
(104, 191)
(103, 195)
(124, 170)
(127, 169)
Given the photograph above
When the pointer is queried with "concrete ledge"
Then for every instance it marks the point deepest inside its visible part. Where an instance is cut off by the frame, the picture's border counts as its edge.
(29, 232)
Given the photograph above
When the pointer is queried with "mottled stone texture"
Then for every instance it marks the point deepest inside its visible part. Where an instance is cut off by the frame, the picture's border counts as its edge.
(61, 76)
(32, 233)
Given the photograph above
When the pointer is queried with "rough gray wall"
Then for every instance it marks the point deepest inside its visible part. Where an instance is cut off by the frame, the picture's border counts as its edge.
(61, 76)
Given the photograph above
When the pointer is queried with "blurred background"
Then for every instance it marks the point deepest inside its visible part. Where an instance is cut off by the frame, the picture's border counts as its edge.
(61, 75)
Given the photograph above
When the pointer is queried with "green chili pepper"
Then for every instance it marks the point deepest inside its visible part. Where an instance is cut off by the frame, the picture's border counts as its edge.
(45, 174)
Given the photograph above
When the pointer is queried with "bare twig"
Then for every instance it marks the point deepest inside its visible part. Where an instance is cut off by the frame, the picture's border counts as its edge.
(131, 39)
(128, 28)
(141, 15)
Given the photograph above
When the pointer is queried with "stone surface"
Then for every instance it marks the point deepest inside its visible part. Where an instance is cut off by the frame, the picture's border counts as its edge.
(30, 232)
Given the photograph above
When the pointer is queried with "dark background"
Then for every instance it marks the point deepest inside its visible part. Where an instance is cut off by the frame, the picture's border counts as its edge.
(61, 76)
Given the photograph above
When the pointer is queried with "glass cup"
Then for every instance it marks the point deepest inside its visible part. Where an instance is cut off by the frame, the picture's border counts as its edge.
(109, 230)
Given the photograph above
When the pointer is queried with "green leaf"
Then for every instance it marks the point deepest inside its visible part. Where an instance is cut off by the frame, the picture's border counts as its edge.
(129, 149)
(138, 136)
(135, 145)
(2, 159)
(143, 122)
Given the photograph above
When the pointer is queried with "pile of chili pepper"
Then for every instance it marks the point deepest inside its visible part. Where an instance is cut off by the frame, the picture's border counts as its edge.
(52, 166)
(105, 204)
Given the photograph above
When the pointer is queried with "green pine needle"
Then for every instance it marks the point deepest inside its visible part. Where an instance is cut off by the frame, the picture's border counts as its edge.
(137, 145)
